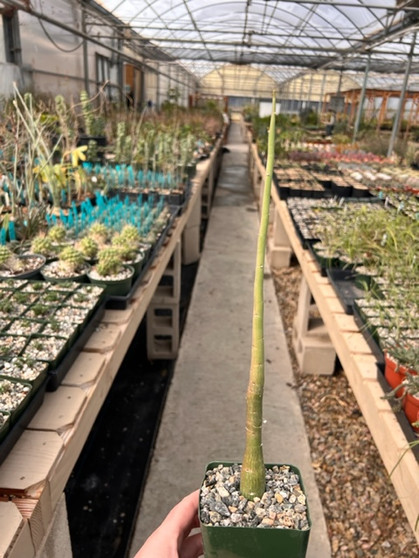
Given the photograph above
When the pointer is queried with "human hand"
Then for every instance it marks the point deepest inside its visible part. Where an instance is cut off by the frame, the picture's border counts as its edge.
(172, 538)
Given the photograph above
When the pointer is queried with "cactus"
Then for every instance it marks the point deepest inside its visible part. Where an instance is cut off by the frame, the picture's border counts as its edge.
(42, 245)
(126, 249)
(100, 233)
(131, 234)
(9, 261)
(89, 247)
(57, 233)
(71, 259)
(110, 262)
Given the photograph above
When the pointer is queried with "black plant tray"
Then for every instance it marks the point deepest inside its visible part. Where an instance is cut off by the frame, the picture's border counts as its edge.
(121, 302)
(324, 264)
(177, 199)
(56, 376)
(372, 343)
(22, 422)
(343, 281)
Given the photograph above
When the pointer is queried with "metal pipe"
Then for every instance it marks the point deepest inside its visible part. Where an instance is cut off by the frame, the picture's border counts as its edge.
(361, 99)
(85, 50)
(397, 120)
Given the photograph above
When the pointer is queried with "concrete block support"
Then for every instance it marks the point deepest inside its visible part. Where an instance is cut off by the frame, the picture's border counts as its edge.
(279, 247)
(163, 312)
(58, 543)
(191, 244)
(313, 348)
(162, 330)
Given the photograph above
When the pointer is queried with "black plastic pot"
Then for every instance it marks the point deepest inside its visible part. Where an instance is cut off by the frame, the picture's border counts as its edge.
(254, 542)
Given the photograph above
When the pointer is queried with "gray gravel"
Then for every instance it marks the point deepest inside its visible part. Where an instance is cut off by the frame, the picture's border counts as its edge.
(282, 506)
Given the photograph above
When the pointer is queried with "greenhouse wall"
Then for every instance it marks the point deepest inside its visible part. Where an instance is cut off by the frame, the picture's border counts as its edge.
(52, 61)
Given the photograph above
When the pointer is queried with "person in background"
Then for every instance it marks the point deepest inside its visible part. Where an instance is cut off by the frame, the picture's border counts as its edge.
(331, 124)
(173, 538)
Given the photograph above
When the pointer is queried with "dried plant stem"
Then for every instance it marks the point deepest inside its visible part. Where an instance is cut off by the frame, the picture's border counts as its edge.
(252, 482)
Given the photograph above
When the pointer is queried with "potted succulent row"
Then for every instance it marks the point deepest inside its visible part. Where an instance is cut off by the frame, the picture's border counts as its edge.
(255, 509)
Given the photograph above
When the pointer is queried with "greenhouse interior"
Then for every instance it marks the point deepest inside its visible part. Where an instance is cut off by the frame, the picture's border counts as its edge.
(209, 293)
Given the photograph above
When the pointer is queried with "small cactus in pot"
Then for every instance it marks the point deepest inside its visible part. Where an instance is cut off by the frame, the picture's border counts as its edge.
(9, 261)
(43, 245)
(71, 260)
(109, 262)
(57, 234)
(127, 250)
(89, 247)
(131, 234)
(100, 233)
(58, 237)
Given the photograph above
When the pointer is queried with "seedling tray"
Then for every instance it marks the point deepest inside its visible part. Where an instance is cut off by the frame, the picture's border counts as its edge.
(55, 376)
(24, 419)
(343, 281)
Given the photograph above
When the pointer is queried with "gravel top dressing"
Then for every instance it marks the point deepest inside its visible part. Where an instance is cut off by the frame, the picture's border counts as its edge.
(282, 506)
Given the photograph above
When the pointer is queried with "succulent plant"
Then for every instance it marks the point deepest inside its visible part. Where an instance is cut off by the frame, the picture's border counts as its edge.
(110, 261)
(100, 233)
(127, 249)
(71, 259)
(9, 261)
(89, 247)
(131, 234)
(57, 233)
(42, 245)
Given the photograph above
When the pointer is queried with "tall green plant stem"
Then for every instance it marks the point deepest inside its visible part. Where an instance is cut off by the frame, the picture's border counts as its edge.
(252, 483)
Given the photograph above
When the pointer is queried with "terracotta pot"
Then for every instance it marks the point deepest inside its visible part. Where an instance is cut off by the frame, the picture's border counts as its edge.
(395, 373)
(411, 409)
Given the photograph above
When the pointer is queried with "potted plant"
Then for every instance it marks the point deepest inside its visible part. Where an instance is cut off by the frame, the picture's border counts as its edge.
(19, 266)
(71, 264)
(406, 396)
(400, 358)
(111, 273)
(270, 517)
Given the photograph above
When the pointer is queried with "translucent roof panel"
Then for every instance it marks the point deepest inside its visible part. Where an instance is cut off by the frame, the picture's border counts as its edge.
(309, 34)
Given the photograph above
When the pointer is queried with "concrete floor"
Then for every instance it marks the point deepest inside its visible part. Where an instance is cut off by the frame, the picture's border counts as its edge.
(203, 419)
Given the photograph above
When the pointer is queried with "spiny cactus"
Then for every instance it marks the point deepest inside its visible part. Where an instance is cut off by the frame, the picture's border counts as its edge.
(100, 233)
(127, 250)
(131, 234)
(89, 247)
(9, 261)
(57, 233)
(71, 259)
(42, 245)
(110, 262)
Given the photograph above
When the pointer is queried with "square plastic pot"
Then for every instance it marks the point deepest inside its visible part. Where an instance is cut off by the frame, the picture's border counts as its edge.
(254, 542)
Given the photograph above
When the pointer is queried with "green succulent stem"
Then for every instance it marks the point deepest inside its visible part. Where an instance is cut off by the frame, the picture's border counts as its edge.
(252, 482)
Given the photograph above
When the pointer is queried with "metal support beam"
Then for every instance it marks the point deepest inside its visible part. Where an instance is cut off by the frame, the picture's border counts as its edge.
(85, 50)
(398, 117)
(361, 100)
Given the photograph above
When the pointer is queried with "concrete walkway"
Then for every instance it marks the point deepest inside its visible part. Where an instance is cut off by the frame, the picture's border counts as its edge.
(204, 415)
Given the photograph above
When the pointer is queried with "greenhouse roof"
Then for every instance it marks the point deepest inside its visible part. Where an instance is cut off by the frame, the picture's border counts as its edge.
(287, 35)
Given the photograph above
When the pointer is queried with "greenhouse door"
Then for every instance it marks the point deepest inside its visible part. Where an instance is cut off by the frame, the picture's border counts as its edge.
(133, 86)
